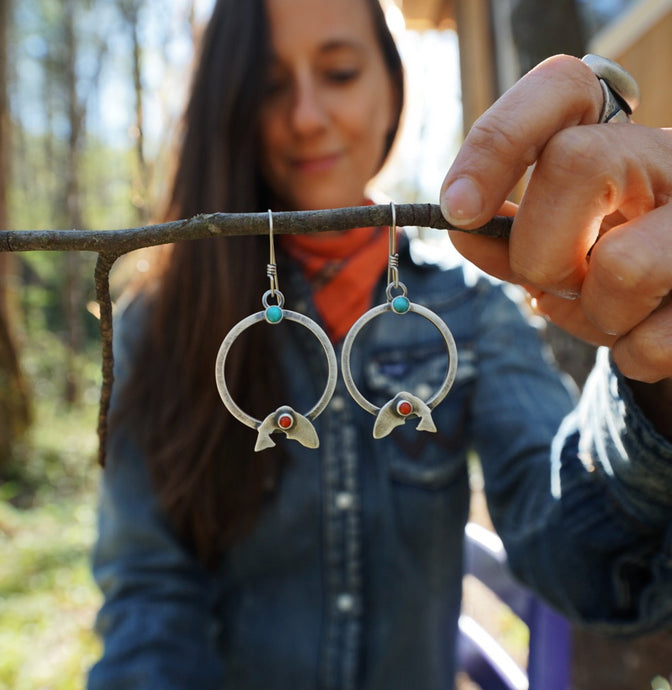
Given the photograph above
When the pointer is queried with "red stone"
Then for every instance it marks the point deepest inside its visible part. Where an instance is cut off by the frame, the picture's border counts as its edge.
(285, 421)
(404, 408)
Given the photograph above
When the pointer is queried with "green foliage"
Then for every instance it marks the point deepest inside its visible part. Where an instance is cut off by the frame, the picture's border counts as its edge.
(36, 186)
(41, 162)
(48, 600)
(106, 198)
(59, 451)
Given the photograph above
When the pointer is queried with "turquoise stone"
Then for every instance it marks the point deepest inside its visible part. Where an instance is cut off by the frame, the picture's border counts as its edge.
(273, 314)
(401, 304)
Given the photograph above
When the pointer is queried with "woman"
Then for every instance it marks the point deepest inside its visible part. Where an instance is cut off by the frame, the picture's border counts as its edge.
(296, 568)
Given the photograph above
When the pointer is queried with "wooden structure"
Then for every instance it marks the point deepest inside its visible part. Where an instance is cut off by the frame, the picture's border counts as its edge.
(472, 19)
(640, 39)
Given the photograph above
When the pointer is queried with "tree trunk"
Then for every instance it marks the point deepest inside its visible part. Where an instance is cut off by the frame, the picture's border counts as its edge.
(14, 398)
(130, 9)
(73, 283)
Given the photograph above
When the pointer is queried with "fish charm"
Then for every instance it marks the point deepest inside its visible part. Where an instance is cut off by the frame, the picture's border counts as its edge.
(294, 425)
(398, 410)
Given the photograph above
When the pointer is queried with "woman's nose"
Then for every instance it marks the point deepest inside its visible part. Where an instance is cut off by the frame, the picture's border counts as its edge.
(308, 111)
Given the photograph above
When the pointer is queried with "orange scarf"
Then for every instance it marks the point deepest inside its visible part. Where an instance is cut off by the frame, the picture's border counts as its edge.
(343, 270)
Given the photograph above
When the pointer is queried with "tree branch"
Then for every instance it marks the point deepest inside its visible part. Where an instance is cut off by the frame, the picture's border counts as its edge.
(227, 224)
(111, 244)
(102, 277)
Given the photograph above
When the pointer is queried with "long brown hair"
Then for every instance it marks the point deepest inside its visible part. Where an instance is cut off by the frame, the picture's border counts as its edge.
(208, 479)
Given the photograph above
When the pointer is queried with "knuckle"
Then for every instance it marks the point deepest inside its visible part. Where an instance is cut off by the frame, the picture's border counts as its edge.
(559, 65)
(619, 268)
(571, 75)
(501, 139)
(575, 152)
(533, 272)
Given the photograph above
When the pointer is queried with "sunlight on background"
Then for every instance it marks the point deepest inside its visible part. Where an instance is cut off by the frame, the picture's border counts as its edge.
(432, 124)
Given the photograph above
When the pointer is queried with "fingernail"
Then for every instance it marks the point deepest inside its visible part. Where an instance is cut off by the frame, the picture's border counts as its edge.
(462, 202)
(568, 294)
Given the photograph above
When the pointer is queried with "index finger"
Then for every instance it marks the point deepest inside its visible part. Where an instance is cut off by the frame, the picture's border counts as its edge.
(560, 92)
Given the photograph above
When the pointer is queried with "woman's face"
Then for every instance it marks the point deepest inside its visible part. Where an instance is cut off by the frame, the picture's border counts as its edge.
(329, 106)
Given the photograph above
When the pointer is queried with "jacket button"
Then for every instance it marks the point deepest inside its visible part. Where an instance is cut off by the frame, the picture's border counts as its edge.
(337, 403)
(345, 603)
(423, 391)
(344, 500)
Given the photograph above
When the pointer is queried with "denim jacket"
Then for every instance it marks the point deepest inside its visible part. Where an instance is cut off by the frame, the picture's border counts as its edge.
(352, 576)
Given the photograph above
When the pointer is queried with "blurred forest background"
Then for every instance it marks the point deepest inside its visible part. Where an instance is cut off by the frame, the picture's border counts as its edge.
(90, 92)
(79, 81)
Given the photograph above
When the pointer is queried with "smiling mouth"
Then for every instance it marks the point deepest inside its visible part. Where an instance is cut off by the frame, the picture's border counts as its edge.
(316, 164)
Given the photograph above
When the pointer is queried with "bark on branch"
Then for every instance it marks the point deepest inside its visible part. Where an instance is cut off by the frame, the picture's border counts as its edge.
(102, 277)
(111, 244)
(227, 224)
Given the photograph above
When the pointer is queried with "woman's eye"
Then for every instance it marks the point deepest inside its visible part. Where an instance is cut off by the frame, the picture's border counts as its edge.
(276, 85)
(342, 76)
(274, 92)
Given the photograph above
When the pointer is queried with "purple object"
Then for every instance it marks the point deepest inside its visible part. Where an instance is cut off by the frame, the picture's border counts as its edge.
(481, 656)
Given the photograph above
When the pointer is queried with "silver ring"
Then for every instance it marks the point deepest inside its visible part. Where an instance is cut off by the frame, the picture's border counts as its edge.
(620, 90)
(385, 422)
(277, 314)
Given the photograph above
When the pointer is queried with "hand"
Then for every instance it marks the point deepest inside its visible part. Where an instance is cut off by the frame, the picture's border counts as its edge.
(611, 182)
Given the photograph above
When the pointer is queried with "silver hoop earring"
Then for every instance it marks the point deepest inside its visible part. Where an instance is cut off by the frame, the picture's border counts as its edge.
(294, 425)
(404, 405)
